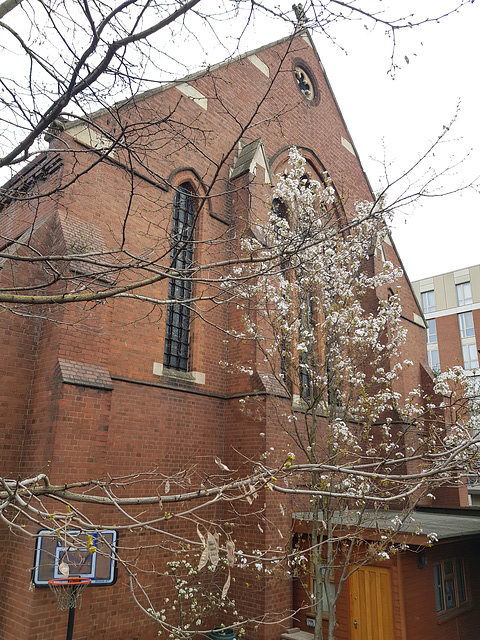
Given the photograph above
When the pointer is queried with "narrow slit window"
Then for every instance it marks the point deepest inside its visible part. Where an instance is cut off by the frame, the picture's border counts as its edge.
(431, 331)
(305, 347)
(177, 331)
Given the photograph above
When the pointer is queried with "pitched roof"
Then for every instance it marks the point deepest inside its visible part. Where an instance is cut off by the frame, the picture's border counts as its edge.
(247, 159)
(299, 33)
(415, 527)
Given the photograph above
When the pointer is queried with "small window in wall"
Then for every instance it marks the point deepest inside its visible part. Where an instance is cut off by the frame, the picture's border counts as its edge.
(434, 360)
(465, 321)
(327, 591)
(450, 591)
(278, 208)
(177, 330)
(464, 294)
(470, 356)
(431, 330)
(428, 301)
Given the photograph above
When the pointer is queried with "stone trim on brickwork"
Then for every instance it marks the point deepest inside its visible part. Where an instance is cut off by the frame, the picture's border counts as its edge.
(261, 66)
(269, 383)
(160, 369)
(348, 145)
(248, 158)
(85, 375)
(418, 320)
(194, 94)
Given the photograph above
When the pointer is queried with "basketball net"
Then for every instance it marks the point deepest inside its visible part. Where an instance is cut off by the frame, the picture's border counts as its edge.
(68, 591)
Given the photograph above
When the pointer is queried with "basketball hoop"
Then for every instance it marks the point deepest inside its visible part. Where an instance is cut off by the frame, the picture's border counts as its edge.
(68, 591)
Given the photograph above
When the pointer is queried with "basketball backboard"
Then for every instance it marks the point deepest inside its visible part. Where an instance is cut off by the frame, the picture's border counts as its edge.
(53, 550)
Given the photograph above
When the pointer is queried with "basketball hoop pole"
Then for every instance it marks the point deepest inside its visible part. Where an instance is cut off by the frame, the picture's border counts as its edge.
(71, 620)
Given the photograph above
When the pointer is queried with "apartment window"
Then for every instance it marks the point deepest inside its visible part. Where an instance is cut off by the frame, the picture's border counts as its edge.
(464, 294)
(177, 331)
(431, 330)
(465, 321)
(428, 301)
(450, 591)
(470, 356)
(434, 360)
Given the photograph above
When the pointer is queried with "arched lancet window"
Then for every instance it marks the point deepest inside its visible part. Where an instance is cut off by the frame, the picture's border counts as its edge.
(177, 330)
(306, 358)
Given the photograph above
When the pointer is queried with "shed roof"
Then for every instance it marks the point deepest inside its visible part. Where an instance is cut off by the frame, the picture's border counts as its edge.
(446, 524)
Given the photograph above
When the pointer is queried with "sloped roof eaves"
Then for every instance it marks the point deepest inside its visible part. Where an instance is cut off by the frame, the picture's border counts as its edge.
(446, 526)
(303, 33)
(419, 306)
(191, 78)
(330, 88)
(361, 166)
(45, 162)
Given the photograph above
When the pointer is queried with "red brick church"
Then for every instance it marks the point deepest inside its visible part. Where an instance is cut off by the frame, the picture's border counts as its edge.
(95, 390)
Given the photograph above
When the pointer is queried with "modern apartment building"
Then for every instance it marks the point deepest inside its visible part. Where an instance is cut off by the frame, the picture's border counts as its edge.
(451, 305)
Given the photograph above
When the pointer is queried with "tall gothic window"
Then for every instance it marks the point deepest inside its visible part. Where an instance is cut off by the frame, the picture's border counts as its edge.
(177, 331)
(306, 355)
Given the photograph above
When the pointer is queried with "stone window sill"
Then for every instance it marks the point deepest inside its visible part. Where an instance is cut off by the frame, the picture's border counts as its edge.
(186, 376)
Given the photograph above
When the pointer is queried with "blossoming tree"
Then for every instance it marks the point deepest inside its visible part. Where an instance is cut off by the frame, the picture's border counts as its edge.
(324, 314)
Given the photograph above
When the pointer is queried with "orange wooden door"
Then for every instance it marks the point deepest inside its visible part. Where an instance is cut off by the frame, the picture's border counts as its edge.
(371, 604)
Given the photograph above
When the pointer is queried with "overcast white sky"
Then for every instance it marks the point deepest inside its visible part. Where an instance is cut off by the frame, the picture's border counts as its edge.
(393, 120)
(399, 118)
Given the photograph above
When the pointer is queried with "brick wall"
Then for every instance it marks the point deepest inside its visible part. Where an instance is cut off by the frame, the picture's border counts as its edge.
(80, 398)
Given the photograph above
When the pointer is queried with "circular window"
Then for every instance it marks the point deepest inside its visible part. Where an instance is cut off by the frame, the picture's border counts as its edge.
(306, 82)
